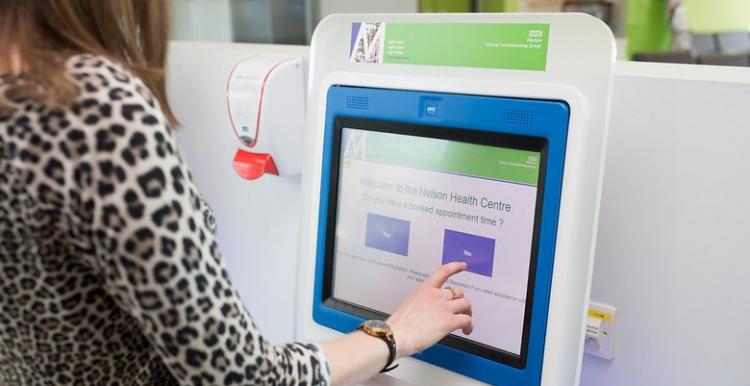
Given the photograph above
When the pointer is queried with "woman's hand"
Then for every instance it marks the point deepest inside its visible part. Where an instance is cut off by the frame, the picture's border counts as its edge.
(431, 312)
(426, 316)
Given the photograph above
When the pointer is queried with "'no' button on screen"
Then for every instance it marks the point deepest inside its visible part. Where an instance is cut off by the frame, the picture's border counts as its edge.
(477, 251)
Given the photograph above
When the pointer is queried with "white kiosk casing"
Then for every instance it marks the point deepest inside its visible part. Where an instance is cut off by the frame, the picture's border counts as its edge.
(578, 70)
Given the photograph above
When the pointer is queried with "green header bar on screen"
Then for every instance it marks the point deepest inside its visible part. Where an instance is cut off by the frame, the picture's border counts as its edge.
(497, 163)
(512, 46)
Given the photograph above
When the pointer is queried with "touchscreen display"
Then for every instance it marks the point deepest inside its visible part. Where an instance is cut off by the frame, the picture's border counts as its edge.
(407, 203)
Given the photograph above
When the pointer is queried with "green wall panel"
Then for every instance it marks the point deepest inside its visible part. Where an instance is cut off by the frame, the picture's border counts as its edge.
(647, 26)
(428, 6)
(706, 16)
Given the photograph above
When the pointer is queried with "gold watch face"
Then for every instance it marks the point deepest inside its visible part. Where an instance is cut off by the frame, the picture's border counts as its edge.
(376, 327)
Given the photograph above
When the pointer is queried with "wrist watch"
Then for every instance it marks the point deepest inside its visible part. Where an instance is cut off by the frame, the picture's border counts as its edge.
(381, 330)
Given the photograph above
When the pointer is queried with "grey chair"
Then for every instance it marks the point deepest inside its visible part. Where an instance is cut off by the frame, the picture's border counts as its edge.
(733, 42)
(704, 43)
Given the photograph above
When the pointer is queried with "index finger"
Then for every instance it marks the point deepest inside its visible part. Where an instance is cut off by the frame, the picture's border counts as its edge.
(440, 275)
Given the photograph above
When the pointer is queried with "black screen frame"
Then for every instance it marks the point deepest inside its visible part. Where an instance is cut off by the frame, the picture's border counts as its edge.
(475, 136)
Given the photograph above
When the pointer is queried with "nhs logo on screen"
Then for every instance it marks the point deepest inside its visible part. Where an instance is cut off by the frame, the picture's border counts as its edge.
(355, 143)
(536, 33)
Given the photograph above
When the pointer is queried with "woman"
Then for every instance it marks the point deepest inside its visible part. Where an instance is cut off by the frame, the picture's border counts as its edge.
(110, 270)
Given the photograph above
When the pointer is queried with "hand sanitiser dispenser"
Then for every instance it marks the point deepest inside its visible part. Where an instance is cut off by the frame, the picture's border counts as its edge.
(266, 106)
(445, 137)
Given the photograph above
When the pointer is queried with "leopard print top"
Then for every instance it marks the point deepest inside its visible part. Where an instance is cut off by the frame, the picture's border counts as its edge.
(109, 269)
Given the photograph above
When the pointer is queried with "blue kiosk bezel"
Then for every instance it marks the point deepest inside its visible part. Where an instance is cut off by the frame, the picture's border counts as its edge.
(543, 119)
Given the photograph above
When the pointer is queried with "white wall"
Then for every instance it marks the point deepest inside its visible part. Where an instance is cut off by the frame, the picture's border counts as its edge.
(673, 253)
(257, 220)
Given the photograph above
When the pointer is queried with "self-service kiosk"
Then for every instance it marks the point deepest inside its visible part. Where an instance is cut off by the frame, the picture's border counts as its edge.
(477, 138)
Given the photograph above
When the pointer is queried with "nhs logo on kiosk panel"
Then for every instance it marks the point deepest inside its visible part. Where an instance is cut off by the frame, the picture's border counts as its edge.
(537, 34)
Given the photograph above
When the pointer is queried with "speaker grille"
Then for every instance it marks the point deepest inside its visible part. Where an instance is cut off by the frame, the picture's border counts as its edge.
(518, 117)
(357, 102)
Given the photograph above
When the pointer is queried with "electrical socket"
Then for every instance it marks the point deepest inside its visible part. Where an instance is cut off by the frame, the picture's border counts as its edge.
(600, 331)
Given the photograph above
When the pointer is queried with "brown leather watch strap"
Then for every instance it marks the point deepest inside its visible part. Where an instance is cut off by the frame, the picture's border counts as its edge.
(389, 341)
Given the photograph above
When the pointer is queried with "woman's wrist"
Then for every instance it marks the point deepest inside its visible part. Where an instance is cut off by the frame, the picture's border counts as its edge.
(400, 337)
(378, 347)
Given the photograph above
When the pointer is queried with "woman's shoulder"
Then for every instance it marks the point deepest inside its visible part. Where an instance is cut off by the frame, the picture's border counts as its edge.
(104, 82)
(112, 115)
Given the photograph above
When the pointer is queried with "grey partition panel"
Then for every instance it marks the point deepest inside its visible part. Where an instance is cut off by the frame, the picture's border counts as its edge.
(684, 57)
(725, 60)
(672, 252)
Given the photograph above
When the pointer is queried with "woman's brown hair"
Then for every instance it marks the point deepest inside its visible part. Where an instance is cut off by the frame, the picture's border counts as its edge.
(44, 33)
